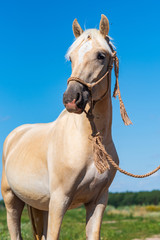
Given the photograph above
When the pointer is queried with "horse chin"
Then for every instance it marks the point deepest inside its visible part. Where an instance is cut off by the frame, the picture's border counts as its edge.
(77, 110)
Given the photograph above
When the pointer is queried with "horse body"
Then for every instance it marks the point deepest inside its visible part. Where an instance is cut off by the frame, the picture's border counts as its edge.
(51, 166)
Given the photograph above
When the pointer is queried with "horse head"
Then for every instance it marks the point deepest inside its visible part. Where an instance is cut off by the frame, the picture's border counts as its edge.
(90, 56)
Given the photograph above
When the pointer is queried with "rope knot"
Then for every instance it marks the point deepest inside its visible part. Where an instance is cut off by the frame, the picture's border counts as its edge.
(96, 134)
(100, 157)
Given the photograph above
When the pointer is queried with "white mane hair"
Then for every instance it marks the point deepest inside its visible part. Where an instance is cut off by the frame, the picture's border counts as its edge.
(93, 34)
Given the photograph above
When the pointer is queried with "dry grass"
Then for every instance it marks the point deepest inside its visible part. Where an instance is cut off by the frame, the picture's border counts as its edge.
(135, 211)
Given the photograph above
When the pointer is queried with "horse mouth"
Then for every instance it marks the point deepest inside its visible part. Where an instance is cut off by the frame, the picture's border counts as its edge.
(73, 108)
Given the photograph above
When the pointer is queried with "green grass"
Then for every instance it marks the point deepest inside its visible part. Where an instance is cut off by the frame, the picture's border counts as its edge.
(124, 223)
(25, 225)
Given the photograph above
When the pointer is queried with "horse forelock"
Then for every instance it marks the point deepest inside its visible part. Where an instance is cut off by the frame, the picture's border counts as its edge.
(90, 34)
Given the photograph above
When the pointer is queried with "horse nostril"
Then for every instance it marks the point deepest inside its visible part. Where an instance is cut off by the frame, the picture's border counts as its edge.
(78, 99)
(78, 96)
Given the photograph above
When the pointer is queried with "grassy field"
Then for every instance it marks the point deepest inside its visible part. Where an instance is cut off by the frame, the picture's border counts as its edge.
(123, 223)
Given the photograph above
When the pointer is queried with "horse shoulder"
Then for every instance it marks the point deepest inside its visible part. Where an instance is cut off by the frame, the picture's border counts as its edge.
(13, 138)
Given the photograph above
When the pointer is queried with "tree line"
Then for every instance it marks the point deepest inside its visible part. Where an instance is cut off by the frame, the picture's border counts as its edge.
(134, 198)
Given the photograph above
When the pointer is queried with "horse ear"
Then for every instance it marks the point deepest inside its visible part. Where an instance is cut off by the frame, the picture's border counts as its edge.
(104, 25)
(77, 30)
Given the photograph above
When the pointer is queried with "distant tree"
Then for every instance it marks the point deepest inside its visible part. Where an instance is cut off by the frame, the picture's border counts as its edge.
(2, 203)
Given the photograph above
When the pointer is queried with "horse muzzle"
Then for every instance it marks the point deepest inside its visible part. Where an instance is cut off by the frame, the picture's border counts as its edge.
(75, 98)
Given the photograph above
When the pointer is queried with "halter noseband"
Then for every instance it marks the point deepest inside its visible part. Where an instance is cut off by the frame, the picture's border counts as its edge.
(89, 85)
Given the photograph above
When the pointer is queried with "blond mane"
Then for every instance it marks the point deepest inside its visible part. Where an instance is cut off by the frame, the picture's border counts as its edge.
(95, 35)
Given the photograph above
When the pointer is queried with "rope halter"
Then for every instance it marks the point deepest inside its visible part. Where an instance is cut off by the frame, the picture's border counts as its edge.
(114, 61)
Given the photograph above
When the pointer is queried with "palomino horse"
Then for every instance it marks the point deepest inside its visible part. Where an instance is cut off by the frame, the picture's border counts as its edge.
(51, 167)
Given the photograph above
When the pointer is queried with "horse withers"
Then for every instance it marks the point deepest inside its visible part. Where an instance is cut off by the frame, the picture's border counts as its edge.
(50, 167)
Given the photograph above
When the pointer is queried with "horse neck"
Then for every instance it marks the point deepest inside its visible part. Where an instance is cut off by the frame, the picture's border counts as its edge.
(103, 116)
(102, 119)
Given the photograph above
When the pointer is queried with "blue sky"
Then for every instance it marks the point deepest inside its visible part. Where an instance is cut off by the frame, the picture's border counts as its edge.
(35, 36)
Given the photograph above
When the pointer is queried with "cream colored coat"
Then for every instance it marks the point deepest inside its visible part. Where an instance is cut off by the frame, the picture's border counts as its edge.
(50, 167)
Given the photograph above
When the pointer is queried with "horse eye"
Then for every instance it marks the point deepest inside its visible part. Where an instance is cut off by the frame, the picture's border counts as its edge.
(100, 56)
(70, 59)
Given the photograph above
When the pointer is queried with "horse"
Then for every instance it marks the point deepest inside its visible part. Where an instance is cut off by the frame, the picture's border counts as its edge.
(51, 167)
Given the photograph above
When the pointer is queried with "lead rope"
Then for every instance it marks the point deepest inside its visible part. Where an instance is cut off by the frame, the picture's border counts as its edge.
(101, 157)
(103, 165)
(116, 92)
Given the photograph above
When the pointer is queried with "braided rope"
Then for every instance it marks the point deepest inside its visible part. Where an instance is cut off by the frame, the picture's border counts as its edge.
(116, 92)
(131, 174)
(102, 167)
